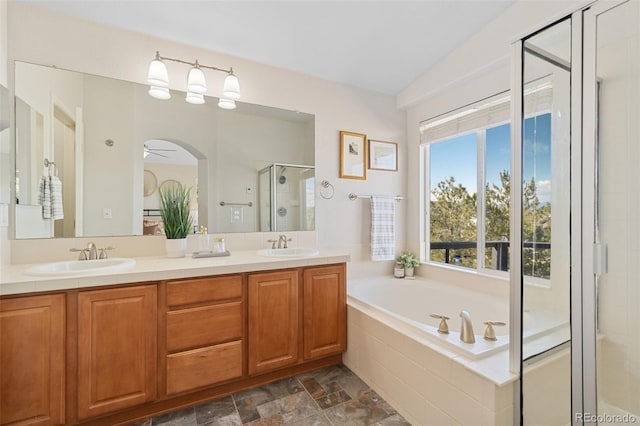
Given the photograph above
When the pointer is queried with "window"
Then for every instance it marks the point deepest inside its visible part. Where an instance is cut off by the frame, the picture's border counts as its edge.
(468, 179)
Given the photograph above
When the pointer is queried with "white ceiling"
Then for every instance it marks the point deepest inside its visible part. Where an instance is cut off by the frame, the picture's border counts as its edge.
(377, 45)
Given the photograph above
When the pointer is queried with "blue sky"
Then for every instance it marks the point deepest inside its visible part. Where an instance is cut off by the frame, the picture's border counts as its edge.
(457, 156)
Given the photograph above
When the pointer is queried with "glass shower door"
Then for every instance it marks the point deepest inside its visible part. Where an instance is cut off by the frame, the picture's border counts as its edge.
(613, 33)
(545, 225)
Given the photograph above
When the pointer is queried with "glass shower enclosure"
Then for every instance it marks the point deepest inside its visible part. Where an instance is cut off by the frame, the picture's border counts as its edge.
(286, 198)
(576, 268)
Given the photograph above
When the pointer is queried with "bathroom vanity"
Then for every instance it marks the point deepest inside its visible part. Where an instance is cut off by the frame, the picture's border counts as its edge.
(167, 334)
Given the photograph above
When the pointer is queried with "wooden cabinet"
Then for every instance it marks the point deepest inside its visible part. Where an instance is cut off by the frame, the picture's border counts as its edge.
(285, 323)
(117, 349)
(325, 311)
(113, 354)
(273, 320)
(32, 360)
(204, 332)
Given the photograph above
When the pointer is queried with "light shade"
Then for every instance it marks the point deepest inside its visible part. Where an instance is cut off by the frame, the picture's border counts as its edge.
(226, 103)
(160, 92)
(158, 75)
(195, 98)
(196, 82)
(231, 87)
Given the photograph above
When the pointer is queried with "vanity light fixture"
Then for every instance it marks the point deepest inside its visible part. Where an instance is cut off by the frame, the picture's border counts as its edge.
(158, 79)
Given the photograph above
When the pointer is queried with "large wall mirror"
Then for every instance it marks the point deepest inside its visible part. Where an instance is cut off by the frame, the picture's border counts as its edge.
(5, 163)
(91, 153)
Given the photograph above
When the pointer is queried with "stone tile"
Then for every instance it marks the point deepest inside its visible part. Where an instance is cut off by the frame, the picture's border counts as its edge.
(315, 420)
(332, 399)
(145, 422)
(230, 420)
(210, 411)
(329, 374)
(352, 385)
(248, 401)
(247, 411)
(313, 387)
(395, 420)
(331, 387)
(275, 420)
(292, 407)
(368, 409)
(184, 417)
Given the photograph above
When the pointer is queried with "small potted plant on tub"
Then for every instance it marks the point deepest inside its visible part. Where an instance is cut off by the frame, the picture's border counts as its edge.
(175, 200)
(409, 261)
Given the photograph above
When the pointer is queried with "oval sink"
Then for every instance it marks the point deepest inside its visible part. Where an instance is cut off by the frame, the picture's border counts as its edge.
(77, 267)
(289, 252)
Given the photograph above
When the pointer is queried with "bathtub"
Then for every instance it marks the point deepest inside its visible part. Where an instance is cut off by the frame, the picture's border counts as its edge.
(406, 305)
(431, 378)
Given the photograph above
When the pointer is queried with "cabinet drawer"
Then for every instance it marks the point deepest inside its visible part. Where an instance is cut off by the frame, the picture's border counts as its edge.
(203, 326)
(203, 367)
(203, 290)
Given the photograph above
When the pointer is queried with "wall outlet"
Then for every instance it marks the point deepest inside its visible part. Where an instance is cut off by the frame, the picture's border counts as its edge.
(106, 213)
(237, 214)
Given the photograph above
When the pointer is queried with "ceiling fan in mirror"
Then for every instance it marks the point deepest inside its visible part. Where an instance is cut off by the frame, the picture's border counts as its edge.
(155, 151)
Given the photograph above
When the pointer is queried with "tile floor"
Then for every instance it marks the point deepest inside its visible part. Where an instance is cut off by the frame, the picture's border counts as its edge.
(330, 396)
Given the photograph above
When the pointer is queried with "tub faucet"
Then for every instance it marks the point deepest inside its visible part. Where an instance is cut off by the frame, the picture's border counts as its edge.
(466, 328)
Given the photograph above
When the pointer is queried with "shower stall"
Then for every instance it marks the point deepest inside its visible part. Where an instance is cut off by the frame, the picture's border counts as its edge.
(578, 163)
(286, 198)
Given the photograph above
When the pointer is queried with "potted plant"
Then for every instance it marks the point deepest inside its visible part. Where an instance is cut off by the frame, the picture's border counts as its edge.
(409, 261)
(175, 200)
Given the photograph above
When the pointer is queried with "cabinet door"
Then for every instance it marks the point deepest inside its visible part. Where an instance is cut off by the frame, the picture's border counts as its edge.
(117, 354)
(325, 310)
(32, 360)
(273, 320)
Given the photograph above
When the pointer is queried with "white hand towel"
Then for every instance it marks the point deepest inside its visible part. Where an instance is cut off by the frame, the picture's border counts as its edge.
(56, 198)
(44, 196)
(383, 225)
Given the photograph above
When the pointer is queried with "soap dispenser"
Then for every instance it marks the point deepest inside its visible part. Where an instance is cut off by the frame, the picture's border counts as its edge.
(203, 240)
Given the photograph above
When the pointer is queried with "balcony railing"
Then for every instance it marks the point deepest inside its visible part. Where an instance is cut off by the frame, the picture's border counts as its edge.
(500, 250)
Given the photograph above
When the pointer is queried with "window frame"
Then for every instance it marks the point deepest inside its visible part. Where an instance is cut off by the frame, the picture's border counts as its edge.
(425, 214)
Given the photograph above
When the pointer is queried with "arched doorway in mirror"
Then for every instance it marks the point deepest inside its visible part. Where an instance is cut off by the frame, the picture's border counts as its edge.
(165, 162)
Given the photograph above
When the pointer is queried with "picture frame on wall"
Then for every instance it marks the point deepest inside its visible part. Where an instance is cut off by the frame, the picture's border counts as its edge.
(383, 155)
(353, 155)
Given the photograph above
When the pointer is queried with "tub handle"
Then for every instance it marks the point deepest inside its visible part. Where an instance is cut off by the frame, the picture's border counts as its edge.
(490, 333)
(443, 327)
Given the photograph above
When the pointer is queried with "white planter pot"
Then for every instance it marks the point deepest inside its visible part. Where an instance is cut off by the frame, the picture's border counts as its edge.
(176, 248)
(408, 272)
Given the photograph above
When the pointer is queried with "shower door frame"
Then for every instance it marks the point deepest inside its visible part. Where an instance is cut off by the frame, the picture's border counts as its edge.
(585, 251)
(592, 250)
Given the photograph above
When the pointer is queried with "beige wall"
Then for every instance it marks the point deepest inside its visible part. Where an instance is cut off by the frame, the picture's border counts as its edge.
(48, 38)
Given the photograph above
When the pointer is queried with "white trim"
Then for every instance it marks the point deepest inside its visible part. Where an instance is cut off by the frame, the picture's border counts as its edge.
(481, 179)
(515, 293)
(577, 205)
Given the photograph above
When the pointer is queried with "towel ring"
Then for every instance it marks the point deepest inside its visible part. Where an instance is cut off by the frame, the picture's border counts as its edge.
(327, 190)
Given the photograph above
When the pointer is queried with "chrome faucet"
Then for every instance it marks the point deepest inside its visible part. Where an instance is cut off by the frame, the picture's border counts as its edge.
(92, 250)
(282, 239)
(466, 328)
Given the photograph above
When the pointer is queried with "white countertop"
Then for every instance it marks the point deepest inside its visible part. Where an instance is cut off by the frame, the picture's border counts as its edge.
(14, 281)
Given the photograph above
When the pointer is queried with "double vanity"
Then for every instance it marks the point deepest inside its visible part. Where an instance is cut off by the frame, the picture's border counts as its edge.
(109, 347)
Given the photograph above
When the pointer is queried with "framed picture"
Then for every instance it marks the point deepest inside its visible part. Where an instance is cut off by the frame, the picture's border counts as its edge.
(383, 155)
(353, 155)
